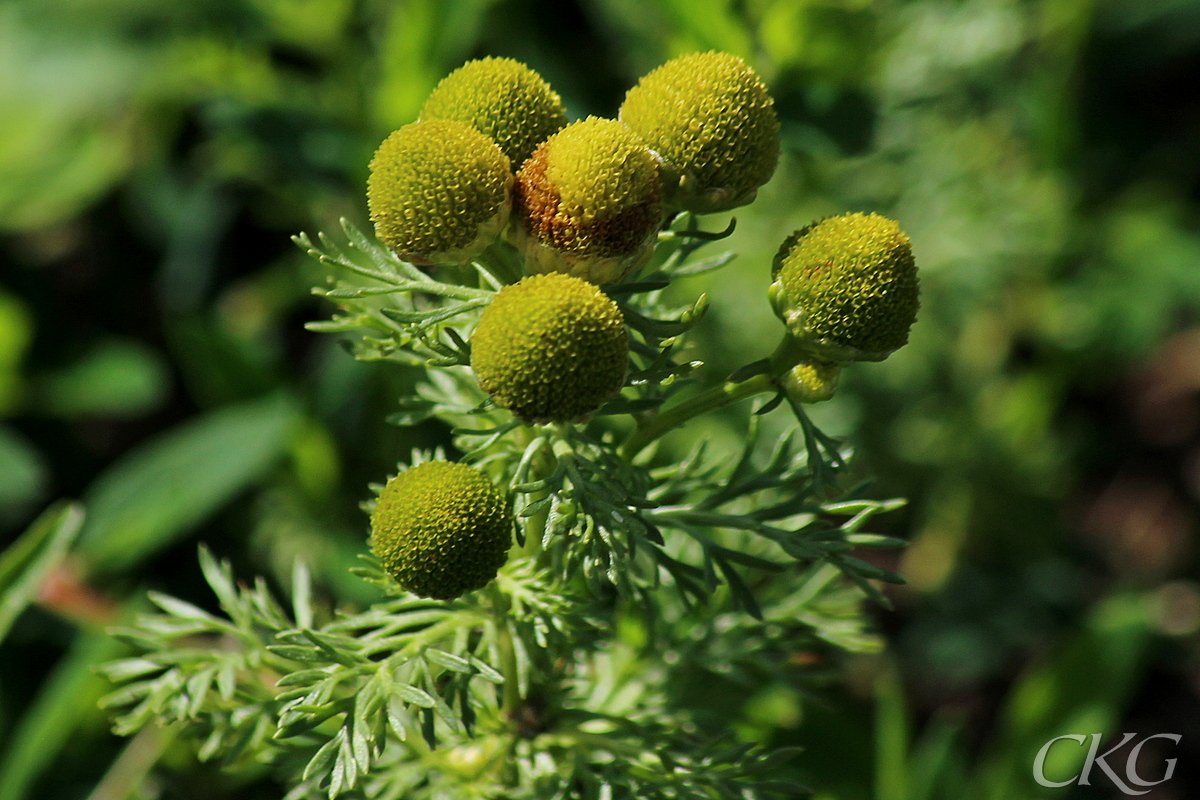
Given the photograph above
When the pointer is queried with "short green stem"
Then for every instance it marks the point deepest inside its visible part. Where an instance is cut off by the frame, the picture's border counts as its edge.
(535, 529)
(787, 354)
(511, 701)
(544, 462)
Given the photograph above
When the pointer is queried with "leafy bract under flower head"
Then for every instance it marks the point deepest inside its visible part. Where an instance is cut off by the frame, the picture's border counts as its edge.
(551, 348)
(439, 192)
(710, 118)
(503, 99)
(588, 202)
(847, 288)
(441, 529)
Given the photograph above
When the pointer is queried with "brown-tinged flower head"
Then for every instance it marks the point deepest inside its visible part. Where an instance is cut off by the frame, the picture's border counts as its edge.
(502, 98)
(439, 192)
(588, 202)
(551, 348)
(441, 529)
(846, 287)
(710, 118)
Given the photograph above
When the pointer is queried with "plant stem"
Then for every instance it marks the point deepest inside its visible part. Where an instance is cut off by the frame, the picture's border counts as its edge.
(542, 467)
(787, 354)
(508, 653)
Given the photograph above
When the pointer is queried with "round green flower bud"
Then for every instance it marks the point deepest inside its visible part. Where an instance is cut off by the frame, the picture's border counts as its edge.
(441, 529)
(711, 120)
(503, 99)
(551, 348)
(811, 382)
(846, 287)
(439, 192)
(588, 202)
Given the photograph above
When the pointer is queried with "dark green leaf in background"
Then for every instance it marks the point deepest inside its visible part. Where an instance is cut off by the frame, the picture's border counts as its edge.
(117, 378)
(156, 493)
(22, 472)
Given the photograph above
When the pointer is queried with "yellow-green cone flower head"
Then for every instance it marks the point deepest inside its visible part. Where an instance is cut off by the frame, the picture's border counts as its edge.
(551, 348)
(503, 99)
(439, 192)
(710, 118)
(441, 529)
(588, 202)
(811, 382)
(846, 287)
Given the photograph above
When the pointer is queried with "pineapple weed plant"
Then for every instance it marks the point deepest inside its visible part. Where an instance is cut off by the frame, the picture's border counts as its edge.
(542, 591)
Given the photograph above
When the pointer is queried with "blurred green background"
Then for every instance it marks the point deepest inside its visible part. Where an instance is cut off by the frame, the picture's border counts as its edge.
(155, 156)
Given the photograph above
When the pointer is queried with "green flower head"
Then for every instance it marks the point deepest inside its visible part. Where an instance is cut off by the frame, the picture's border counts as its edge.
(503, 99)
(846, 287)
(588, 202)
(441, 529)
(711, 120)
(811, 382)
(551, 348)
(439, 192)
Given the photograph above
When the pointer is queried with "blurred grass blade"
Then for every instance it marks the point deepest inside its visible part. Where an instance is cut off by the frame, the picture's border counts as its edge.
(1082, 690)
(130, 768)
(25, 564)
(158, 492)
(891, 736)
(66, 702)
(937, 766)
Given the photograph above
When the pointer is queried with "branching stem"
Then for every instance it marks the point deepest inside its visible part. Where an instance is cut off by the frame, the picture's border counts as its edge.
(787, 355)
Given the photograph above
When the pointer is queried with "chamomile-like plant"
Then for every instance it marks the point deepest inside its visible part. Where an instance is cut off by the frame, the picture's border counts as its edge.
(501, 663)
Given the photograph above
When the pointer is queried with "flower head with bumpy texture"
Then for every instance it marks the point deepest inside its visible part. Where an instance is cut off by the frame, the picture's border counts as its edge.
(503, 99)
(551, 348)
(709, 117)
(846, 287)
(441, 529)
(439, 192)
(588, 202)
(811, 381)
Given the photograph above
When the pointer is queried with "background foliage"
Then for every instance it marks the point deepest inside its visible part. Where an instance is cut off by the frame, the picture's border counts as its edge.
(155, 156)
